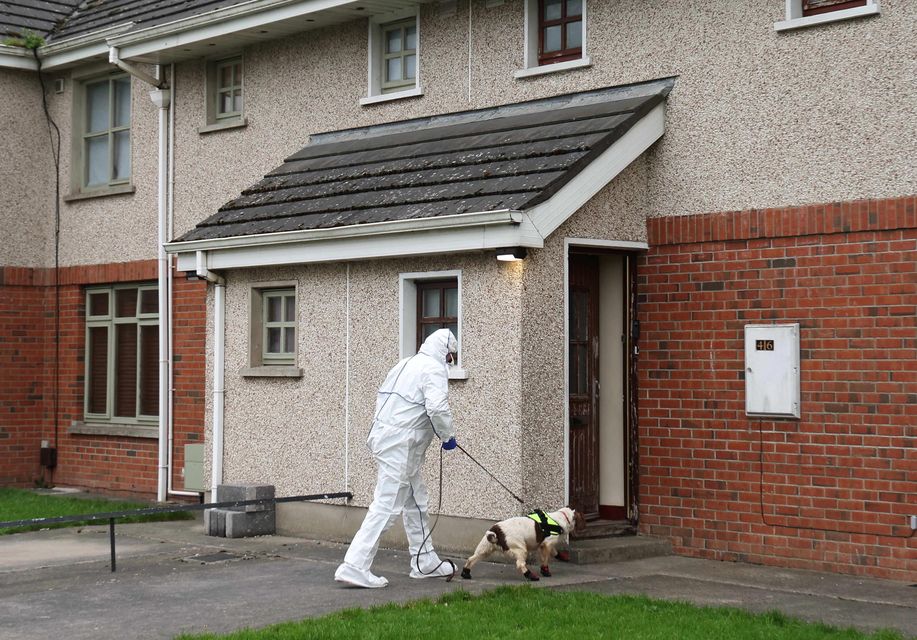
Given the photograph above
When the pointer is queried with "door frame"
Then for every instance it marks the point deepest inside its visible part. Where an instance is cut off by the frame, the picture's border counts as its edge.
(625, 246)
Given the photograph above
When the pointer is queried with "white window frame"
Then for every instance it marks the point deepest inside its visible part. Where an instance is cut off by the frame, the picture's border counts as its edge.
(407, 320)
(795, 19)
(215, 121)
(376, 59)
(530, 65)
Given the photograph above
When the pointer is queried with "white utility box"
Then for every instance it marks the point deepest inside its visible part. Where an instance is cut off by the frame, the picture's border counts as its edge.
(772, 370)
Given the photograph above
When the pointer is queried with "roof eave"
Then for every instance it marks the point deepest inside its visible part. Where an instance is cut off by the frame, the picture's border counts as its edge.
(59, 54)
(443, 234)
(17, 58)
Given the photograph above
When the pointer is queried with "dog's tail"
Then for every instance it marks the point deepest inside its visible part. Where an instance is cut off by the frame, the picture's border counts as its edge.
(491, 537)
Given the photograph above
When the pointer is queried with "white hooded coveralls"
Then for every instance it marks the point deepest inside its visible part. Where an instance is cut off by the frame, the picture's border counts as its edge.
(411, 408)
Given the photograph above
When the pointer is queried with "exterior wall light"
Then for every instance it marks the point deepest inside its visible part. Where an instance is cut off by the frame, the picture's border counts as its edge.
(511, 254)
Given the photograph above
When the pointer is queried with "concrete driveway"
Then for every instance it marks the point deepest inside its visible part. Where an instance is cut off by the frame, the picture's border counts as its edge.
(171, 579)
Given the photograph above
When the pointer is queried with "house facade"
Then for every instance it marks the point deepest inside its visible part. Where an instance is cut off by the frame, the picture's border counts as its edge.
(765, 179)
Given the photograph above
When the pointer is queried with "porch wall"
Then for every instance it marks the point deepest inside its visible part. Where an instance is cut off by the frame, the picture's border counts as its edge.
(832, 490)
(292, 432)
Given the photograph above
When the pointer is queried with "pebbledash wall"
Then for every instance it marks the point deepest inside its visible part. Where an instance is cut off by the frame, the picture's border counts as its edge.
(106, 463)
(832, 490)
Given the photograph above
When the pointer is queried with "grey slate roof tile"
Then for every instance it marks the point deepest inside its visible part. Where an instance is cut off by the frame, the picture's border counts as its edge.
(476, 161)
(40, 17)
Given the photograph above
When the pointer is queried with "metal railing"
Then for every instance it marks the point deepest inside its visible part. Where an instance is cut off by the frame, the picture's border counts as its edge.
(111, 516)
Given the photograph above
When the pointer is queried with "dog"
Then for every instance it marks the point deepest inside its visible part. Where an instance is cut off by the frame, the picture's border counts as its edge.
(517, 536)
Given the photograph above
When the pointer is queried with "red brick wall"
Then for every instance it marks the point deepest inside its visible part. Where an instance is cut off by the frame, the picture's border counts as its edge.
(109, 464)
(832, 490)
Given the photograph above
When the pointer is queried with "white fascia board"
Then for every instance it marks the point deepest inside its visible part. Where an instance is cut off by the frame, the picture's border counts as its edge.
(552, 213)
(511, 232)
(17, 58)
(79, 48)
(217, 23)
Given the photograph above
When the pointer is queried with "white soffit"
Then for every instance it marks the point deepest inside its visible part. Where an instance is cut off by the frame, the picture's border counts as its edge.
(552, 213)
(445, 234)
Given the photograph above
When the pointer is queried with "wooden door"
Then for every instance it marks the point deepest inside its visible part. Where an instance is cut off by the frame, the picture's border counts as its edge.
(583, 384)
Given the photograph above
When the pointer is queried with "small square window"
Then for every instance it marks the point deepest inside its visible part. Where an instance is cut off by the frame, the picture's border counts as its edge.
(809, 13)
(225, 92)
(815, 7)
(394, 59)
(560, 30)
(273, 334)
(431, 300)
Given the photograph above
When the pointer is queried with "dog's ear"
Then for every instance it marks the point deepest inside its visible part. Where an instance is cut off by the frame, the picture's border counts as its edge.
(579, 521)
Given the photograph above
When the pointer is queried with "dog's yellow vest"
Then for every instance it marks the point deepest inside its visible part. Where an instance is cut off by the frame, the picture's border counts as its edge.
(546, 523)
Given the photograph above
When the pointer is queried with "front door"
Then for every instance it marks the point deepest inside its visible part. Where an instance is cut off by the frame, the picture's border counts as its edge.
(583, 383)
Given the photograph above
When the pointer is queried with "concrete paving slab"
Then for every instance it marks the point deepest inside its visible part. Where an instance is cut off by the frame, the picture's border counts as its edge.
(167, 583)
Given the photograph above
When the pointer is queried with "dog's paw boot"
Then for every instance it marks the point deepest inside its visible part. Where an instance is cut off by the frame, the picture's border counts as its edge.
(563, 556)
(466, 574)
(531, 577)
(545, 571)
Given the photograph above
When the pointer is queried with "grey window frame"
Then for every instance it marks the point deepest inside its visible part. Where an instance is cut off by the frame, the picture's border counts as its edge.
(391, 86)
(262, 362)
(215, 117)
(110, 321)
(81, 120)
(284, 358)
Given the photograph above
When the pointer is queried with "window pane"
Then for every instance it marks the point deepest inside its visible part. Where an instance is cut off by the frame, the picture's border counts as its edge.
(410, 67)
(393, 41)
(149, 301)
(149, 370)
(552, 38)
(225, 102)
(431, 304)
(574, 35)
(453, 327)
(289, 340)
(552, 9)
(122, 157)
(126, 303)
(97, 354)
(427, 330)
(226, 76)
(451, 306)
(273, 339)
(97, 160)
(393, 69)
(574, 8)
(274, 311)
(122, 102)
(237, 73)
(237, 100)
(97, 107)
(289, 311)
(98, 304)
(410, 38)
(126, 370)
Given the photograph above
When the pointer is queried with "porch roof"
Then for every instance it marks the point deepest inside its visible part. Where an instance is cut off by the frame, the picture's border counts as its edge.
(519, 170)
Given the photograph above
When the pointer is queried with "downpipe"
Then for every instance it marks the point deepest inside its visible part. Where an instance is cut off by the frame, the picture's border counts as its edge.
(219, 312)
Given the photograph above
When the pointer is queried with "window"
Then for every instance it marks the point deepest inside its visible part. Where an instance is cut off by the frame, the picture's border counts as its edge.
(815, 7)
(437, 307)
(225, 94)
(555, 37)
(122, 353)
(104, 114)
(806, 13)
(429, 301)
(273, 335)
(394, 58)
(399, 66)
(560, 30)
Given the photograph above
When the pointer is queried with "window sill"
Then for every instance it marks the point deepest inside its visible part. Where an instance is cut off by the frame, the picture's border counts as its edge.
(823, 18)
(274, 371)
(557, 67)
(387, 97)
(114, 429)
(99, 193)
(235, 123)
(457, 374)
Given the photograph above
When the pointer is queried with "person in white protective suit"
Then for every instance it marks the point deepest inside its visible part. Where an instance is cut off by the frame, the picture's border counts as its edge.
(411, 408)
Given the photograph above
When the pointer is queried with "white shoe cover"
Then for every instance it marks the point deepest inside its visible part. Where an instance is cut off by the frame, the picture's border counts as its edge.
(351, 575)
(431, 570)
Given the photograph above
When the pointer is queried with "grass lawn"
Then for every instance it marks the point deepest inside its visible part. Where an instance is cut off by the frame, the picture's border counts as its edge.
(525, 613)
(19, 504)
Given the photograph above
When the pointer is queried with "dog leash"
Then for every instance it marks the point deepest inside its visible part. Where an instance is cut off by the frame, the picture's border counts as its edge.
(495, 479)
